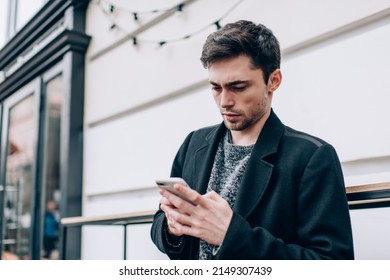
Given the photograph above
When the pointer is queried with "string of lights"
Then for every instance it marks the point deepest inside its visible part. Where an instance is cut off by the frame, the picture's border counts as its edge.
(111, 11)
(114, 8)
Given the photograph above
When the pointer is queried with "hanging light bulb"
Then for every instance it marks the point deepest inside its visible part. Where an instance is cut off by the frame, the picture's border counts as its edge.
(217, 24)
(179, 10)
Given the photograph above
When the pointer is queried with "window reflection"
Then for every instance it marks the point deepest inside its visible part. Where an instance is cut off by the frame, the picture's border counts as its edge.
(19, 179)
(51, 167)
(25, 10)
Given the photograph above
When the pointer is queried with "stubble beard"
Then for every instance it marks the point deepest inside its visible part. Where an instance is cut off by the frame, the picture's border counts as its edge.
(255, 114)
(240, 125)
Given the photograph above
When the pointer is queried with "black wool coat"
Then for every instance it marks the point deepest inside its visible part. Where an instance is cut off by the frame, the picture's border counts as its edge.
(291, 203)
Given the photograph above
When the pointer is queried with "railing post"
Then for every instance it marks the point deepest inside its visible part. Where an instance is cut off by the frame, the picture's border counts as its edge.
(125, 242)
(63, 249)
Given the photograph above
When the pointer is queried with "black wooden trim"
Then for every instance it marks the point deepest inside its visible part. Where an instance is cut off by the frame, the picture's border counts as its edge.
(369, 199)
(51, 13)
(370, 205)
(51, 54)
(368, 195)
(71, 183)
(38, 218)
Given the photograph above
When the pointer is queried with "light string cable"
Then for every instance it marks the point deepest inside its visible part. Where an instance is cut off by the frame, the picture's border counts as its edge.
(135, 14)
(110, 11)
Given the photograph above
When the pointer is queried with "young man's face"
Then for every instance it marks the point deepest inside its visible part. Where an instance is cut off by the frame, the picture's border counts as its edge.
(240, 92)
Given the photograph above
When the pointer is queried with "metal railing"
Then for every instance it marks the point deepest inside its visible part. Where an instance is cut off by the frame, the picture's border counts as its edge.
(369, 196)
(361, 196)
(117, 220)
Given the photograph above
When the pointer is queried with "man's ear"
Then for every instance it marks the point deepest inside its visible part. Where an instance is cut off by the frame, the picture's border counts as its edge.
(274, 81)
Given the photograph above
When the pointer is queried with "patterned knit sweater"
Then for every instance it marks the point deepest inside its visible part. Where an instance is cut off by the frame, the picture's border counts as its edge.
(227, 172)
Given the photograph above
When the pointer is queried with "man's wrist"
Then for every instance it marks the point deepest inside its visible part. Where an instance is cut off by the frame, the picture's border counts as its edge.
(172, 240)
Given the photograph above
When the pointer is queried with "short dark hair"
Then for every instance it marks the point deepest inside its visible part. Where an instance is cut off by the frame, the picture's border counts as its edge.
(243, 38)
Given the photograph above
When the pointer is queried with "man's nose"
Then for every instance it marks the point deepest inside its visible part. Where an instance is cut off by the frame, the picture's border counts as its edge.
(227, 99)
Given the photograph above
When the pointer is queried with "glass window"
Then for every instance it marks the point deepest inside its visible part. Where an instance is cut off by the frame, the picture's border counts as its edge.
(3, 22)
(31, 165)
(51, 167)
(14, 14)
(19, 179)
(26, 9)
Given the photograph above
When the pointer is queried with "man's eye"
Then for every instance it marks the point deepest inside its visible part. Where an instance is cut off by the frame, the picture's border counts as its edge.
(216, 89)
(242, 88)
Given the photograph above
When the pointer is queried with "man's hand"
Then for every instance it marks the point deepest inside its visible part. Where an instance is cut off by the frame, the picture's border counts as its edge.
(208, 220)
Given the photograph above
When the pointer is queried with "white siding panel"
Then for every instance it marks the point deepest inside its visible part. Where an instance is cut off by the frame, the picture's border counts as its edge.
(371, 233)
(129, 77)
(133, 151)
(102, 243)
(140, 246)
(340, 92)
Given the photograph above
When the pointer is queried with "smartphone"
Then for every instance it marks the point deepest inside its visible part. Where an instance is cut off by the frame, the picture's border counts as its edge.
(167, 184)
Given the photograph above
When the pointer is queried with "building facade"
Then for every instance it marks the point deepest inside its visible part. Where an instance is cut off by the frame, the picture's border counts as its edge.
(42, 105)
(126, 86)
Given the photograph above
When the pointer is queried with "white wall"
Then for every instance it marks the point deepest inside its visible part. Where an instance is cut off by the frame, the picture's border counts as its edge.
(3, 22)
(141, 101)
(26, 9)
(338, 89)
(371, 233)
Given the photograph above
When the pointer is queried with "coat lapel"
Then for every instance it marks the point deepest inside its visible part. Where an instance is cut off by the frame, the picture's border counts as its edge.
(259, 171)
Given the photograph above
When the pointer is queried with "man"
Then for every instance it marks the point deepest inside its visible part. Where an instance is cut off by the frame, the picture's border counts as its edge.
(262, 190)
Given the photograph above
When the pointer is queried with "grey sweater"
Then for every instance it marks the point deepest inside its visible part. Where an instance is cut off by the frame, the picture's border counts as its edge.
(228, 169)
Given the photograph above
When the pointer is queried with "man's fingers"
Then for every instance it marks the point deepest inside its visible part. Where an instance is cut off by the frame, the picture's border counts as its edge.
(177, 201)
(177, 222)
(213, 196)
(191, 194)
(171, 225)
(165, 201)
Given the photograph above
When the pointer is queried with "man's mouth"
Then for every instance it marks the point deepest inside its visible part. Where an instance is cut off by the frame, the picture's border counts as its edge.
(231, 116)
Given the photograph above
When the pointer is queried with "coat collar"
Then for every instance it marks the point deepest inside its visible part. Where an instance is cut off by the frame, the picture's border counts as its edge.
(258, 172)
(259, 169)
(267, 142)
(270, 136)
